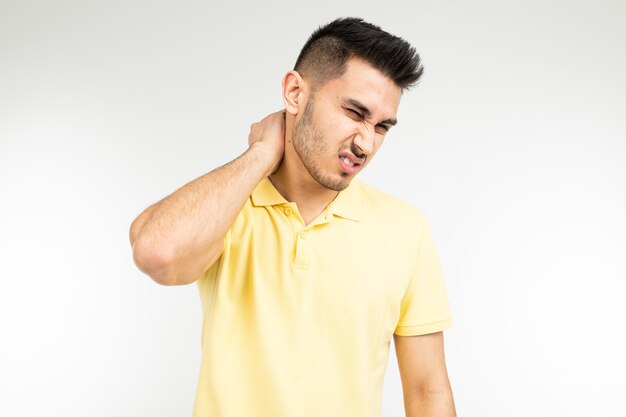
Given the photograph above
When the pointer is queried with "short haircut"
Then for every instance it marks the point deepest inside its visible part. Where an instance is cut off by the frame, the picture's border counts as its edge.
(327, 50)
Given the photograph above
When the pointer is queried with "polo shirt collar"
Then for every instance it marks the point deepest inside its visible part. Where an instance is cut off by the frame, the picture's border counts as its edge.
(265, 194)
(347, 204)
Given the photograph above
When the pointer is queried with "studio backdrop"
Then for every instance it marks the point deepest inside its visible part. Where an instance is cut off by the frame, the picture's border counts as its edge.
(513, 145)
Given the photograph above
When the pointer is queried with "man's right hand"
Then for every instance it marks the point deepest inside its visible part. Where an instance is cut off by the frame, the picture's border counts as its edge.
(269, 133)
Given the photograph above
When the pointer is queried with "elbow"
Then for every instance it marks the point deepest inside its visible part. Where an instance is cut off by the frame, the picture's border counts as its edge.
(154, 261)
(135, 228)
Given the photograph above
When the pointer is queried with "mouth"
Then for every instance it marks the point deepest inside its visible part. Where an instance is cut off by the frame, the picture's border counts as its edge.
(349, 163)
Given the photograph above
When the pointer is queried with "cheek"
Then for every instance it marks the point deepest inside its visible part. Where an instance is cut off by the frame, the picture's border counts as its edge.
(333, 124)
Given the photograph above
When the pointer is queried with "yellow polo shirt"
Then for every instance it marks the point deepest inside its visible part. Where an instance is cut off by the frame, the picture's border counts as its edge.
(297, 320)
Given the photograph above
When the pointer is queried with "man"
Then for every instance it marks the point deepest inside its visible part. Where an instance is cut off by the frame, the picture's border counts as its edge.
(304, 272)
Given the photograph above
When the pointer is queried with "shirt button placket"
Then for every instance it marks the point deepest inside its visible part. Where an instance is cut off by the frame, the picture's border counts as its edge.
(303, 250)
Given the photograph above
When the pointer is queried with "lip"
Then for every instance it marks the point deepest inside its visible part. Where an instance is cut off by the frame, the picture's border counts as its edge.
(358, 163)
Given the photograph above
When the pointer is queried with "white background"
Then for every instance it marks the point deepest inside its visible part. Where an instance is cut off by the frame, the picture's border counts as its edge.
(514, 145)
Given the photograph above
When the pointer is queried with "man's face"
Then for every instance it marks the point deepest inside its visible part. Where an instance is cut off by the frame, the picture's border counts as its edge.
(344, 123)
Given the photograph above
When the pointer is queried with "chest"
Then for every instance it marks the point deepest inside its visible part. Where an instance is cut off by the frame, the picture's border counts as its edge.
(340, 267)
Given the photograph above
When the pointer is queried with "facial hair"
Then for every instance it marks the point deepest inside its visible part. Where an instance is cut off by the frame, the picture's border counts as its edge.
(309, 144)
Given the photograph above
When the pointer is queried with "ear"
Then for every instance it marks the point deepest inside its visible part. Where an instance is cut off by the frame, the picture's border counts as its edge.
(294, 90)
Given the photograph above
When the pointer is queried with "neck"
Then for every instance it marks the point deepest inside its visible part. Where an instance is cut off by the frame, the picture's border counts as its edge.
(293, 181)
(310, 197)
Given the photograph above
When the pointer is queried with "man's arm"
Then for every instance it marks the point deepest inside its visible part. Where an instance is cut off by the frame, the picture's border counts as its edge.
(425, 385)
(175, 240)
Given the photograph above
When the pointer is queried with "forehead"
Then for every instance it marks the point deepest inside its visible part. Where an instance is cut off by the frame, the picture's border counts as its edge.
(366, 84)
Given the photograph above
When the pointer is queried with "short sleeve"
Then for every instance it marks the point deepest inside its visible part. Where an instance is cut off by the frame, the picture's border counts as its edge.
(424, 307)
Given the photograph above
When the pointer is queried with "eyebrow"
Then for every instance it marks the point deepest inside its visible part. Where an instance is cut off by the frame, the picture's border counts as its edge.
(368, 114)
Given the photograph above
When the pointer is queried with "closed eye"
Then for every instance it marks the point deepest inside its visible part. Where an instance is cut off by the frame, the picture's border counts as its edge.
(380, 128)
(355, 114)
(385, 128)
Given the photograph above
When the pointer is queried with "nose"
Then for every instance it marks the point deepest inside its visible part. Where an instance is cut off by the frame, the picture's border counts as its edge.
(364, 141)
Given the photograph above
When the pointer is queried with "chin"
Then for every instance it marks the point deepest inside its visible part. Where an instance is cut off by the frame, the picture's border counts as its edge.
(335, 185)
(339, 187)
(337, 181)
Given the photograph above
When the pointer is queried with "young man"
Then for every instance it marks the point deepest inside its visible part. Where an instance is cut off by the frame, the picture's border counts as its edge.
(304, 272)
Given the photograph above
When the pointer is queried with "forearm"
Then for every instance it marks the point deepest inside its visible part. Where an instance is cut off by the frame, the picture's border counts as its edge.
(175, 240)
(431, 404)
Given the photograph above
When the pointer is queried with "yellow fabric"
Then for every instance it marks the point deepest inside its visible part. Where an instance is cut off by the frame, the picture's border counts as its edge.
(298, 319)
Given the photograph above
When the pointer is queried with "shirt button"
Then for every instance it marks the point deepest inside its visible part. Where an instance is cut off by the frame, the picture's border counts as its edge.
(288, 211)
(303, 235)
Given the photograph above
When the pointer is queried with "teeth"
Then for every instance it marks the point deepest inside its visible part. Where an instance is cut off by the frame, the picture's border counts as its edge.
(347, 161)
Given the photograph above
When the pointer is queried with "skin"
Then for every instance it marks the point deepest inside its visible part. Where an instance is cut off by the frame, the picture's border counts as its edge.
(425, 385)
(299, 148)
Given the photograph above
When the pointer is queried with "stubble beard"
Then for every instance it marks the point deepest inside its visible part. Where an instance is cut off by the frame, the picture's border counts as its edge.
(309, 143)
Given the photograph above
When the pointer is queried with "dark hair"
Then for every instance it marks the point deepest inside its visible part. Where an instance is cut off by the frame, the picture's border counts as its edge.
(323, 57)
